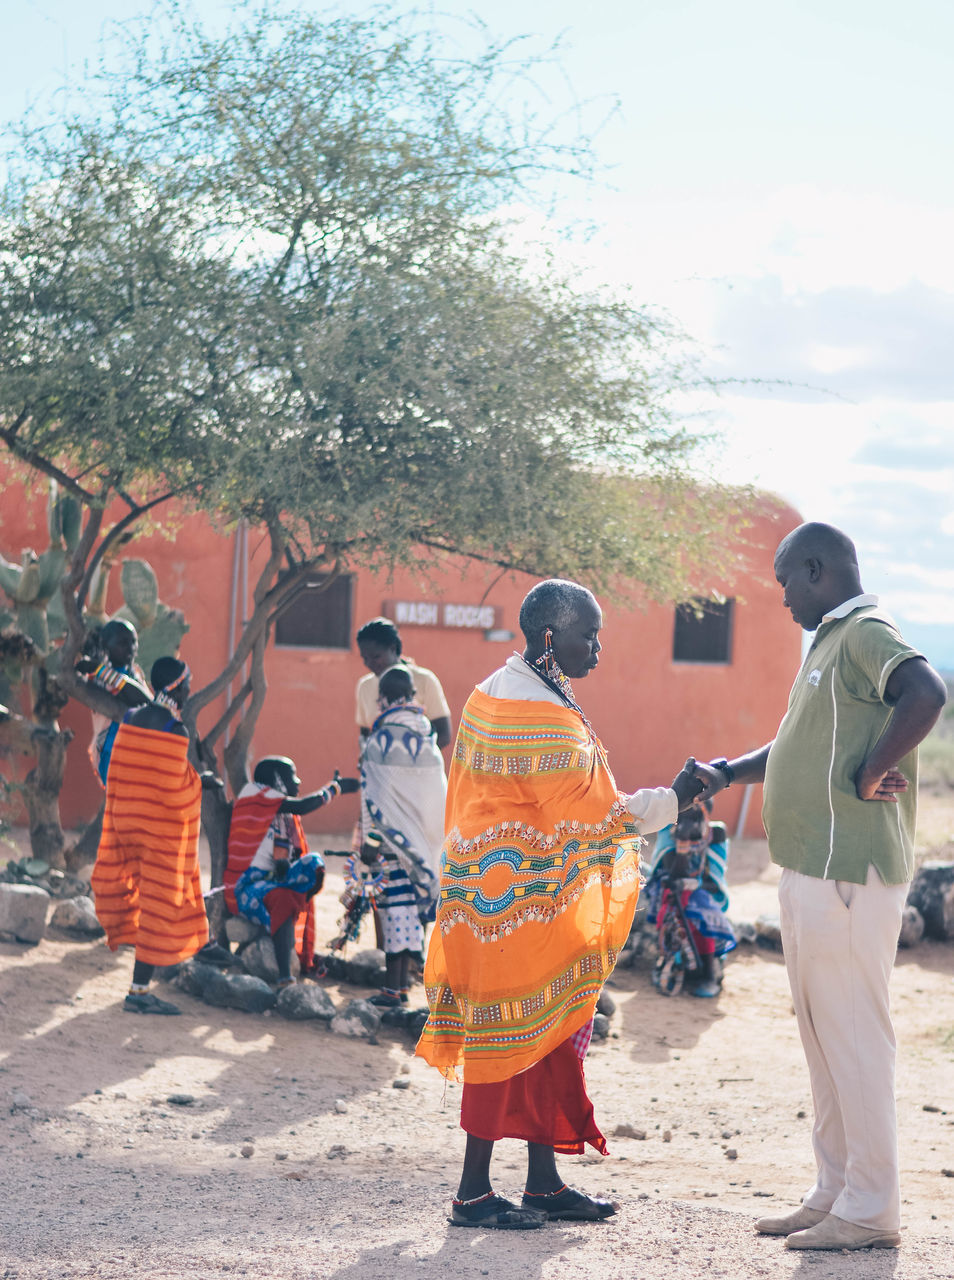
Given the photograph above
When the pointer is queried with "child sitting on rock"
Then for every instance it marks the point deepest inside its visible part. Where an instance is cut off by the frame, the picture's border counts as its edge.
(271, 877)
(696, 852)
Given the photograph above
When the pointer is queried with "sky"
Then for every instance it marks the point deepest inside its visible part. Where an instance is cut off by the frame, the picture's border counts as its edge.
(778, 176)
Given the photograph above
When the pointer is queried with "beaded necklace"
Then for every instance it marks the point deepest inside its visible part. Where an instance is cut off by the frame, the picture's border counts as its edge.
(556, 680)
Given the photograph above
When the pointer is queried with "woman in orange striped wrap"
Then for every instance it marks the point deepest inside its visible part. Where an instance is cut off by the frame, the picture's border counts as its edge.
(540, 876)
(146, 878)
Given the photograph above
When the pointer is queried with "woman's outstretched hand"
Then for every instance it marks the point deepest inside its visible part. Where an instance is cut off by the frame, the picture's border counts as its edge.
(690, 782)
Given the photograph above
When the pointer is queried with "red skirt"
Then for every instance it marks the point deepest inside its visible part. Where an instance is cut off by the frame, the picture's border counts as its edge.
(546, 1104)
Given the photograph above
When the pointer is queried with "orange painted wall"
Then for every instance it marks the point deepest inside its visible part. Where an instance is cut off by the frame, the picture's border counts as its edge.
(649, 711)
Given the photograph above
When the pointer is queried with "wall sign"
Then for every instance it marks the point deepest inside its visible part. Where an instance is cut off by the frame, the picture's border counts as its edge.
(435, 613)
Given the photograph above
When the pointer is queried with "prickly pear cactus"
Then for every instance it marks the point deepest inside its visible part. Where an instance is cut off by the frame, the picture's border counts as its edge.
(160, 628)
(33, 586)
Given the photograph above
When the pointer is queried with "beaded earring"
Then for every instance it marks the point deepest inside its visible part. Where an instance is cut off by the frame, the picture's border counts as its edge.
(546, 660)
(550, 668)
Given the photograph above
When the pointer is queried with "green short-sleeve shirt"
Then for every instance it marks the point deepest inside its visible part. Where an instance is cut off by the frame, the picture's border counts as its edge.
(836, 713)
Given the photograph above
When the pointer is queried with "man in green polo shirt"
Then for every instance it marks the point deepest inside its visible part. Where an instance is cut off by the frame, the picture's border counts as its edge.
(840, 807)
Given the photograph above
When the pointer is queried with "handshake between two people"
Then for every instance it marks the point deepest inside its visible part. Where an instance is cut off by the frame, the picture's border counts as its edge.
(697, 781)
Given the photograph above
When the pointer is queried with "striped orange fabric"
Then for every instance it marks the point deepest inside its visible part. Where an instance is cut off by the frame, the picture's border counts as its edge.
(146, 878)
(252, 815)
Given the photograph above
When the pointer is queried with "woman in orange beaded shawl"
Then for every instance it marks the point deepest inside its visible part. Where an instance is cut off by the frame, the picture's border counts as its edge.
(540, 877)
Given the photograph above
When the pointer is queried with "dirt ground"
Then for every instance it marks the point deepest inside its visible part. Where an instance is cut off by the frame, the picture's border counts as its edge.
(222, 1143)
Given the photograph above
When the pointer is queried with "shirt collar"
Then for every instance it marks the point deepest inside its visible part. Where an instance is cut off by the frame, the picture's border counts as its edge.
(849, 606)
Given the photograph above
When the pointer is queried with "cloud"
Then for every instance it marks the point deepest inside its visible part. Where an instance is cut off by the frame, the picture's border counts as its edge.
(849, 340)
(903, 442)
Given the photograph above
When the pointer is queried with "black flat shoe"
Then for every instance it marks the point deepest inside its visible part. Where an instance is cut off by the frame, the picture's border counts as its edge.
(494, 1211)
(570, 1205)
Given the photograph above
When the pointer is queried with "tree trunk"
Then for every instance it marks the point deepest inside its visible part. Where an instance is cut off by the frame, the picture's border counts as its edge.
(216, 815)
(41, 787)
(84, 850)
(42, 792)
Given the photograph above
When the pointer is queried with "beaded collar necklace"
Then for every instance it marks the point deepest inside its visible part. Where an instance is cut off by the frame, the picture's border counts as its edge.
(162, 699)
(560, 684)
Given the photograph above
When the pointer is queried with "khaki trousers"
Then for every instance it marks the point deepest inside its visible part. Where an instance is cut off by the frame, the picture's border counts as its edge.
(840, 941)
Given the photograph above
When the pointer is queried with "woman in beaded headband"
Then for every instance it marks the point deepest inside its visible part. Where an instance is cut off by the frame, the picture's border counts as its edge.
(170, 679)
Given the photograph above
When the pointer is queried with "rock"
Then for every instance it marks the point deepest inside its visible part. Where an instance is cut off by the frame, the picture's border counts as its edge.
(79, 915)
(238, 929)
(601, 1026)
(932, 894)
(358, 1019)
(281, 1155)
(235, 990)
(189, 976)
(304, 1000)
(768, 932)
(629, 1131)
(247, 1151)
(606, 1005)
(62, 884)
(180, 1099)
(365, 969)
(341, 1107)
(415, 1020)
(744, 931)
(23, 910)
(258, 957)
(402, 1082)
(912, 927)
(731, 1154)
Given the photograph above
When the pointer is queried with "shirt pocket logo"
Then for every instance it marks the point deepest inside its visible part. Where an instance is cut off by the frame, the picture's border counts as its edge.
(814, 677)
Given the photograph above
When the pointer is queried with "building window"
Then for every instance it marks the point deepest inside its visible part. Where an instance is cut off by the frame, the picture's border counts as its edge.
(703, 631)
(318, 619)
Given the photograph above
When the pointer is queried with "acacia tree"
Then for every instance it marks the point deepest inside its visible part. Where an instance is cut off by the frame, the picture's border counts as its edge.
(265, 273)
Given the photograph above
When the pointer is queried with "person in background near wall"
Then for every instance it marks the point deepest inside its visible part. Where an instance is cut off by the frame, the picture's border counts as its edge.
(379, 644)
(403, 791)
(146, 878)
(114, 669)
(540, 877)
(840, 809)
(270, 876)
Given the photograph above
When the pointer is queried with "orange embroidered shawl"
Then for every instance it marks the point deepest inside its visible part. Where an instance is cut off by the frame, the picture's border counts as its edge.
(540, 876)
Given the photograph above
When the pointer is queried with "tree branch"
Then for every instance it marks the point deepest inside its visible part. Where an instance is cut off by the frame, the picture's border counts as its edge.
(119, 528)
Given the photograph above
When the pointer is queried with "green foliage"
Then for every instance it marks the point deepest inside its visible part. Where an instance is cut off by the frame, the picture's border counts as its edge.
(269, 272)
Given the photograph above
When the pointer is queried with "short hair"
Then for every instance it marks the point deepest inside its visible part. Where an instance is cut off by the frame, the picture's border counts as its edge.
(165, 672)
(396, 683)
(381, 631)
(116, 626)
(822, 542)
(551, 603)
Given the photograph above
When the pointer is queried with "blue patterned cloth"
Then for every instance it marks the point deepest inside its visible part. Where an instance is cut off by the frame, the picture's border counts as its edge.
(254, 886)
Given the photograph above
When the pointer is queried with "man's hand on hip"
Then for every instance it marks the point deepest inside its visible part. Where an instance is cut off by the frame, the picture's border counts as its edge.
(880, 786)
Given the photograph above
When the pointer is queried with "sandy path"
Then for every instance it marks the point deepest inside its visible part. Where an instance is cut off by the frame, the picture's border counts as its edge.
(350, 1177)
